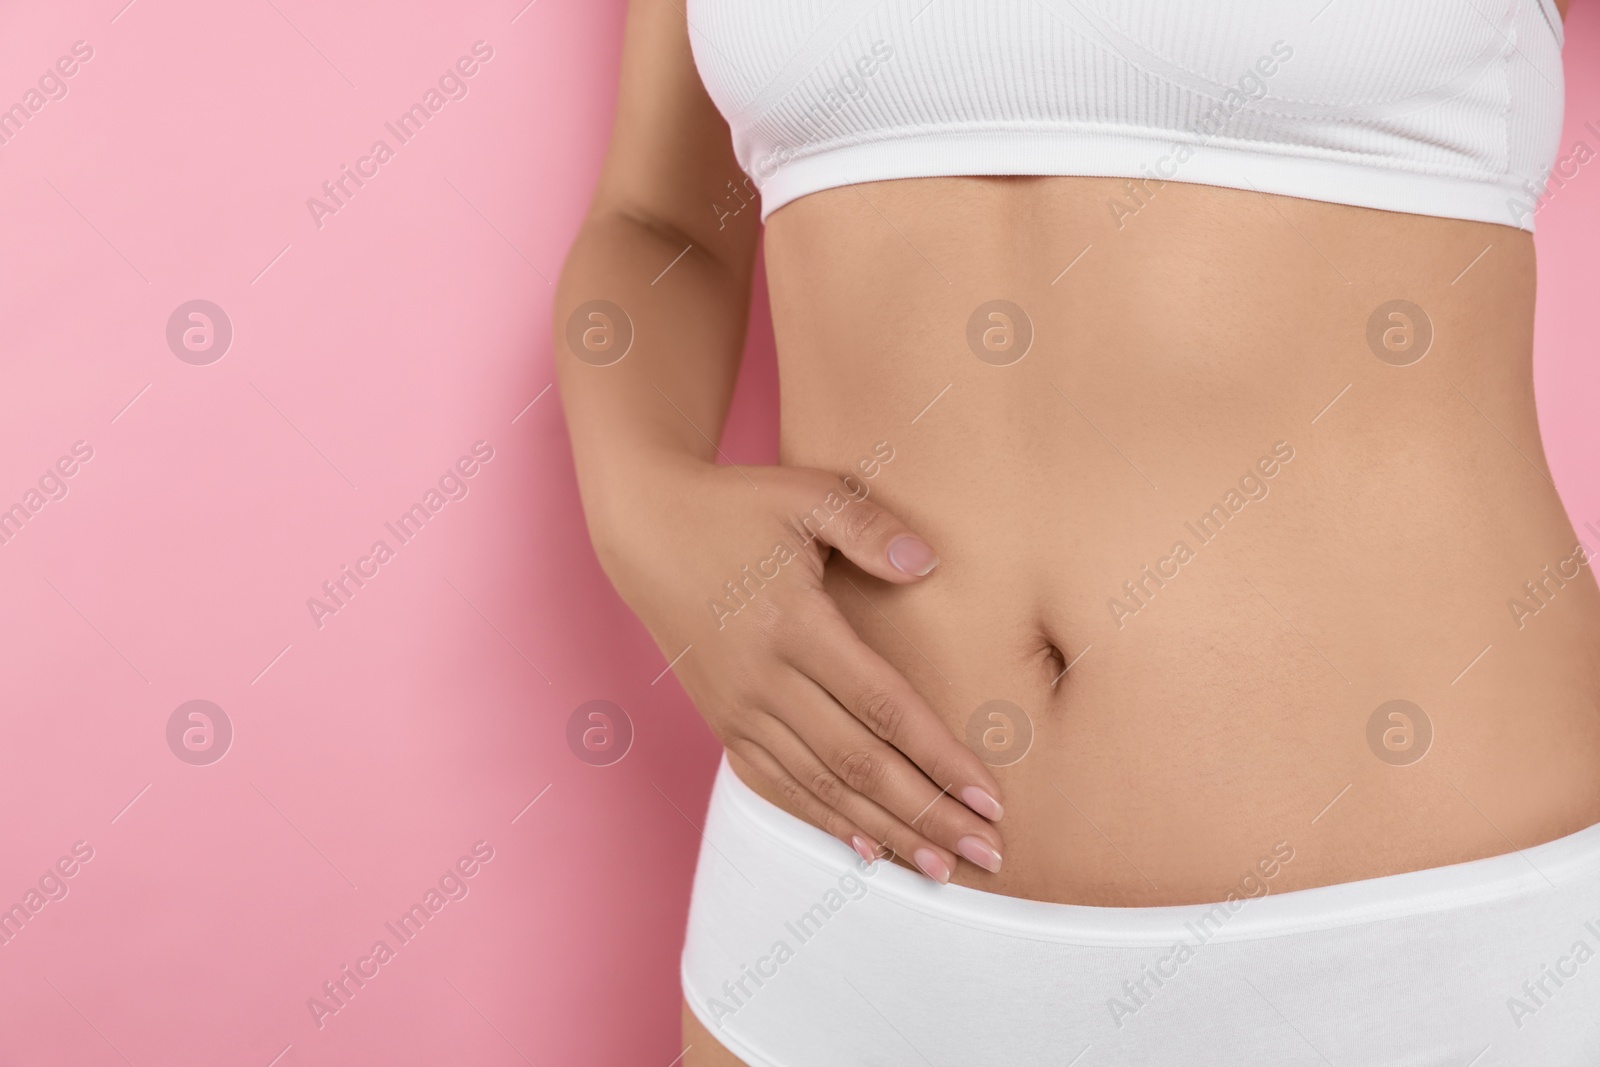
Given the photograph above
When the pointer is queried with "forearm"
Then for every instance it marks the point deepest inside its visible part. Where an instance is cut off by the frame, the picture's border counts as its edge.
(662, 404)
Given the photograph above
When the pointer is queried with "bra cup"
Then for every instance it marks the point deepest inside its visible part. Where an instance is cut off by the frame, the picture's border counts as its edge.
(1353, 59)
(1458, 90)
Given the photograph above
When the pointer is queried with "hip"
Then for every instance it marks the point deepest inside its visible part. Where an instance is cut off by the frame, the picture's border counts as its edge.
(798, 953)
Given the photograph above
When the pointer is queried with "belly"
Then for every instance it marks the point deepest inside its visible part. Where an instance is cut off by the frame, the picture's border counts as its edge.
(1248, 543)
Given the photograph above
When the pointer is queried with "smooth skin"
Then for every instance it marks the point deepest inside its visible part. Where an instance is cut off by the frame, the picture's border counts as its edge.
(1189, 345)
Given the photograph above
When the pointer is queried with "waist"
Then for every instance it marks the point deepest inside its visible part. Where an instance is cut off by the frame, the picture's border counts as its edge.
(1207, 535)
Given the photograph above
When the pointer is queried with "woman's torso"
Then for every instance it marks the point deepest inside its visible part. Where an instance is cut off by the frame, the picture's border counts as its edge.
(1385, 513)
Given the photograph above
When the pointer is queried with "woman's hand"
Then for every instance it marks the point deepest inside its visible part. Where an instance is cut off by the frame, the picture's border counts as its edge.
(728, 562)
(798, 699)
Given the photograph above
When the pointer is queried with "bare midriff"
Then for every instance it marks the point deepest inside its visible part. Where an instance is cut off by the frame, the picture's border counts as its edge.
(1248, 517)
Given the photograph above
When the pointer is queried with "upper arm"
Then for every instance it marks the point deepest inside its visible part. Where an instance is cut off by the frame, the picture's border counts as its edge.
(671, 158)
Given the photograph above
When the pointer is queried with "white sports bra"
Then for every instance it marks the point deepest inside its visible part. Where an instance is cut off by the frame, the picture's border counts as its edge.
(1435, 107)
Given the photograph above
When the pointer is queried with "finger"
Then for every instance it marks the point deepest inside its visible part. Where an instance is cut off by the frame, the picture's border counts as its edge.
(894, 837)
(868, 779)
(836, 658)
(838, 512)
(831, 820)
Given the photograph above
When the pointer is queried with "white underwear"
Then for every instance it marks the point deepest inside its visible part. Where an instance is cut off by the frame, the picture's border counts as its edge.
(798, 955)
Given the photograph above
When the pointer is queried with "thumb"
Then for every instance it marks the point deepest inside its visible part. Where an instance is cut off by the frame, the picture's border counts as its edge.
(868, 535)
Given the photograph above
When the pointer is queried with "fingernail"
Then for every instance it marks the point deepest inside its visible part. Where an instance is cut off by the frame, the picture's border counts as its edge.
(978, 851)
(863, 848)
(912, 555)
(982, 803)
(929, 863)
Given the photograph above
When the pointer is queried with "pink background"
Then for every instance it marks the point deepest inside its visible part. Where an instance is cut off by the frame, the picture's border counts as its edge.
(368, 355)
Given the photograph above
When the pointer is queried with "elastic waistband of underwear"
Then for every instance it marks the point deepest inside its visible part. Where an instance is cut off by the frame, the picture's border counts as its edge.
(1527, 873)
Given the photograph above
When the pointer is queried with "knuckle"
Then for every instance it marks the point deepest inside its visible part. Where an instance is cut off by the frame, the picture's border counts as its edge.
(767, 619)
(793, 791)
(808, 623)
(862, 771)
(812, 562)
(741, 709)
(940, 768)
(808, 495)
(828, 788)
(741, 746)
(861, 521)
(882, 712)
(835, 825)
